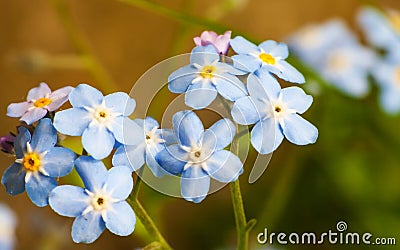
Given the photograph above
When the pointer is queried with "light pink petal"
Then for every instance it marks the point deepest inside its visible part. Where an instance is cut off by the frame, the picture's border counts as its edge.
(18, 109)
(209, 36)
(59, 97)
(39, 92)
(33, 115)
(197, 41)
(222, 42)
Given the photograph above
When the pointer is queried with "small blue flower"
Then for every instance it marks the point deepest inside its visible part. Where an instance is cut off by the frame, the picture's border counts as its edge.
(99, 120)
(269, 56)
(387, 75)
(382, 31)
(98, 206)
(7, 228)
(275, 113)
(205, 77)
(153, 141)
(200, 155)
(38, 163)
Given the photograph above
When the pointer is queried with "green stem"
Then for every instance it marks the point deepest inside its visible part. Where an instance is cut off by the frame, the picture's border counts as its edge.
(137, 184)
(103, 79)
(147, 222)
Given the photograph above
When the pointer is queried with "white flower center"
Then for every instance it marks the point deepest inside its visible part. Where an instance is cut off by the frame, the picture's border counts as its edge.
(279, 109)
(152, 138)
(198, 155)
(99, 201)
(101, 115)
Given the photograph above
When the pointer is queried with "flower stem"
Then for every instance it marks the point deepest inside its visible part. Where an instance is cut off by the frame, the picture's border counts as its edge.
(147, 222)
(82, 47)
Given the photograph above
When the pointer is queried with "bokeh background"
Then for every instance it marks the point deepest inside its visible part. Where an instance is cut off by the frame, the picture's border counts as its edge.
(351, 174)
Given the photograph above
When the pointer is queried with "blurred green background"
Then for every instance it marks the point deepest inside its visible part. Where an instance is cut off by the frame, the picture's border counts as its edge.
(351, 174)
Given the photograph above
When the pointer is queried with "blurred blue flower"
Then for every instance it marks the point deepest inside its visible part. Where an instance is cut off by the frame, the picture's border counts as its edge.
(341, 59)
(275, 113)
(153, 141)
(269, 56)
(381, 29)
(387, 75)
(99, 120)
(40, 100)
(7, 228)
(200, 155)
(38, 163)
(205, 77)
(101, 204)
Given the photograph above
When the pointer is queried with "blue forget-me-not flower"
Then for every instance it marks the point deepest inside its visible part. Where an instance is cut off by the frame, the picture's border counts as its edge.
(7, 228)
(38, 163)
(200, 155)
(99, 120)
(101, 204)
(275, 113)
(205, 77)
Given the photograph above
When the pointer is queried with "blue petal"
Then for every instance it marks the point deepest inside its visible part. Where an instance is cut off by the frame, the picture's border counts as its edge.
(58, 162)
(390, 100)
(87, 228)
(168, 135)
(14, 179)
(119, 182)
(263, 85)
(92, 172)
(242, 46)
(299, 131)
(127, 131)
(247, 63)
(68, 200)
(120, 102)
(266, 136)
(195, 184)
(121, 219)
(130, 155)
(72, 121)
(224, 130)
(280, 50)
(230, 87)
(98, 141)
(295, 98)
(44, 137)
(224, 166)
(289, 73)
(150, 123)
(151, 161)
(39, 188)
(85, 96)
(20, 142)
(187, 127)
(204, 55)
(172, 159)
(244, 111)
(180, 79)
(200, 95)
(226, 68)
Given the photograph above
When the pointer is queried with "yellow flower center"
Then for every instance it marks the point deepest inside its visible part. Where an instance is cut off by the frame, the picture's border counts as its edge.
(394, 19)
(267, 58)
(207, 71)
(31, 162)
(102, 115)
(42, 102)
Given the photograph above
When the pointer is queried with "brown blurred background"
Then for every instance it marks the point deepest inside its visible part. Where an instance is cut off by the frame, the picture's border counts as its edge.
(127, 40)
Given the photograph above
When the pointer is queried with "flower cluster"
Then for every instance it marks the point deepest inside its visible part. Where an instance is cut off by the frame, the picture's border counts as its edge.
(347, 64)
(246, 83)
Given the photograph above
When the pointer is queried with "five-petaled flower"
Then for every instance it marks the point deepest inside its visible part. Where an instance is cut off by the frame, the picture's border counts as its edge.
(200, 155)
(38, 163)
(205, 77)
(99, 120)
(146, 147)
(275, 113)
(269, 56)
(220, 42)
(101, 204)
(40, 100)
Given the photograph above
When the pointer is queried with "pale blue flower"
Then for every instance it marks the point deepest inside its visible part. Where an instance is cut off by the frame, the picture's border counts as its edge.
(152, 141)
(40, 100)
(7, 228)
(269, 56)
(205, 77)
(101, 204)
(275, 113)
(38, 163)
(200, 155)
(387, 75)
(99, 120)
